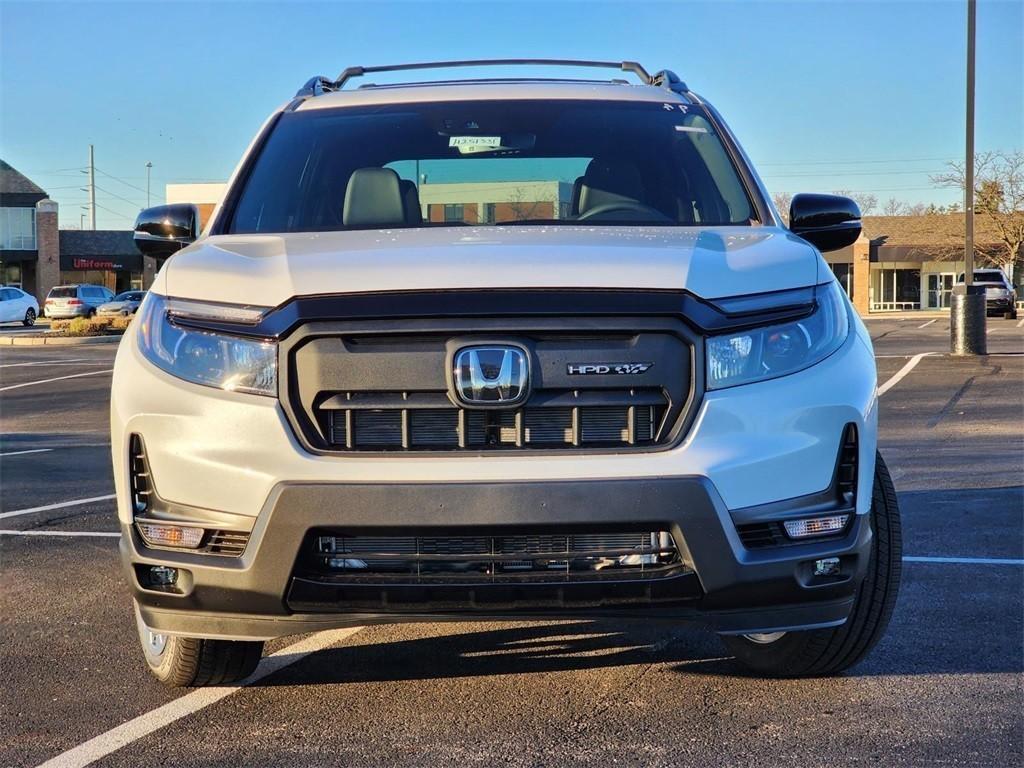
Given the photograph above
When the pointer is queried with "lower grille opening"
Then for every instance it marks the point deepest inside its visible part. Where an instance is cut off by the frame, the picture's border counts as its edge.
(500, 557)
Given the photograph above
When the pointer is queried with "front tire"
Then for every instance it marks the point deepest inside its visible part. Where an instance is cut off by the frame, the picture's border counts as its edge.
(30, 318)
(181, 662)
(830, 651)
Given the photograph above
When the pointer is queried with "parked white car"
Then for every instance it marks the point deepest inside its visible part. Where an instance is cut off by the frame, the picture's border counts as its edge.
(16, 306)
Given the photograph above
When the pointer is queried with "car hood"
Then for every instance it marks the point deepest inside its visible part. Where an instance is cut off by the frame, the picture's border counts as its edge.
(267, 270)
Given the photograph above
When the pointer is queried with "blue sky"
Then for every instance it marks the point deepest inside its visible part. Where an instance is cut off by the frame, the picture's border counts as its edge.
(823, 95)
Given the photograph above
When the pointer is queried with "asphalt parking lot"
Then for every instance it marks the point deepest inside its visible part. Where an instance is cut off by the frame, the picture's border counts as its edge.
(945, 687)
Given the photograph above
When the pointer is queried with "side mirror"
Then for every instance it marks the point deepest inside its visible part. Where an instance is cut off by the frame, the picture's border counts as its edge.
(828, 222)
(166, 229)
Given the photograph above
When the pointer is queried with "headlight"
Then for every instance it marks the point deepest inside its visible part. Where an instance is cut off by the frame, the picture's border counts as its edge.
(204, 357)
(776, 350)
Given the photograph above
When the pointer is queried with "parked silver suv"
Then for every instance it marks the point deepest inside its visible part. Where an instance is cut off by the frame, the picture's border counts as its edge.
(64, 301)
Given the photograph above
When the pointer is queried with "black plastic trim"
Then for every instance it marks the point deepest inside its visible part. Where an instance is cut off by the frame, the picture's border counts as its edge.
(743, 590)
(700, 314)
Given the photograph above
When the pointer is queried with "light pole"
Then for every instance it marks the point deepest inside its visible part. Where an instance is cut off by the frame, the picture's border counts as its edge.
(967, 310)
(149, 167)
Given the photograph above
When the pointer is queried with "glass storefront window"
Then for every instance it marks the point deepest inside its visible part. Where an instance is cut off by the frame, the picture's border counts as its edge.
(10, 274)
(18, 229)
(896, 289)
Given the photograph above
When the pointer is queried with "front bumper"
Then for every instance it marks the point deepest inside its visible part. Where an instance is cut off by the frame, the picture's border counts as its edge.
(999, 303)
(730, 588)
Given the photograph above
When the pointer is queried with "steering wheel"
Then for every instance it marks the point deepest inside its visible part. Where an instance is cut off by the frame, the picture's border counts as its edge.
(636, 210)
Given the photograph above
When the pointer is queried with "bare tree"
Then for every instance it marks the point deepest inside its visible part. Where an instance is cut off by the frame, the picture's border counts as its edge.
(917, 209)
(522, 210)
(782, 201)
(894, 207)
(864, 200)
(999, 197)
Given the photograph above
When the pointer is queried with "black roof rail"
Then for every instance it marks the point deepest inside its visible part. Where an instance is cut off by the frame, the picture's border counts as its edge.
(665, 78)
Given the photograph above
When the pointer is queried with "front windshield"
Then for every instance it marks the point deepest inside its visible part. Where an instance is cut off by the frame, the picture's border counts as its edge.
(482, 163)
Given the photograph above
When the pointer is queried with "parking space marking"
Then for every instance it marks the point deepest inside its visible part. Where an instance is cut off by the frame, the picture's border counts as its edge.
(22, 453)
(964, 560)
(154, 720)
(902, 372)
(56, 378)
(1021, 323)
(925, 325)
(59, 505)
(46, 362)
(68, 534)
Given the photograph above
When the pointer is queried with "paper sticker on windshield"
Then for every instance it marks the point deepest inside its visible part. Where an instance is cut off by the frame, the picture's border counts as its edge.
(474, 143)
(691, 129)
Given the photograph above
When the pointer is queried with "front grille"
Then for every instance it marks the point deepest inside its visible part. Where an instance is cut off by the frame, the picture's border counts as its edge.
(501, 557)
(408, 425)
(596, 383)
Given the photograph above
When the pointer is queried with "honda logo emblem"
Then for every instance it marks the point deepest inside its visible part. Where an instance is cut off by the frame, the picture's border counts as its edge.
(492, 375)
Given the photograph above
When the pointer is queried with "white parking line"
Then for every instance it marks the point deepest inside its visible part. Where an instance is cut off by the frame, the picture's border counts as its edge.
(1021, 323)
(902, 372)
(47, 362)
(66, 534)
(57, 378)
(143, 725)
(964, 560)
(925, 325)
(59, 505)
(22, 453)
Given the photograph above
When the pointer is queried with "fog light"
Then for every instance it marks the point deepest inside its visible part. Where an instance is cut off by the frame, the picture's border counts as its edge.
(828, 566)
(815, 526)
(160, 535)
(162, 576)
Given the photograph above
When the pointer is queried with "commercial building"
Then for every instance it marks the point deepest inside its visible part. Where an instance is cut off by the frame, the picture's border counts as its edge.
(35, 255)
(906, 263)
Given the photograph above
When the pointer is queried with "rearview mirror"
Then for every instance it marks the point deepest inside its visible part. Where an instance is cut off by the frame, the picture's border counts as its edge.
(828, 222)
(166, 229)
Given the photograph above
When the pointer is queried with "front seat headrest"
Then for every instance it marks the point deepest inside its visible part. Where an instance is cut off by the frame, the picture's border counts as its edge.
(373, 199)
(610, 181)
(411, 203)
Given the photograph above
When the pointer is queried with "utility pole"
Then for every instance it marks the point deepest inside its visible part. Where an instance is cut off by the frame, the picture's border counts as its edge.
(967, 312)
(149, 167)
(92, 189)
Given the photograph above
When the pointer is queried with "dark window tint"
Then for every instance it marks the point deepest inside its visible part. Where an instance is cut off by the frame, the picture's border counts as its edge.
(480, 162)
(63, 292)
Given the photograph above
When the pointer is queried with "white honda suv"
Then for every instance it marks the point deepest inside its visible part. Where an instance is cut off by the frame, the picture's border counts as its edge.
(508, 348)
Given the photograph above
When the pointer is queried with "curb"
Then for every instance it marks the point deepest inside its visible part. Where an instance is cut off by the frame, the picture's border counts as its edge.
(63, 341)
